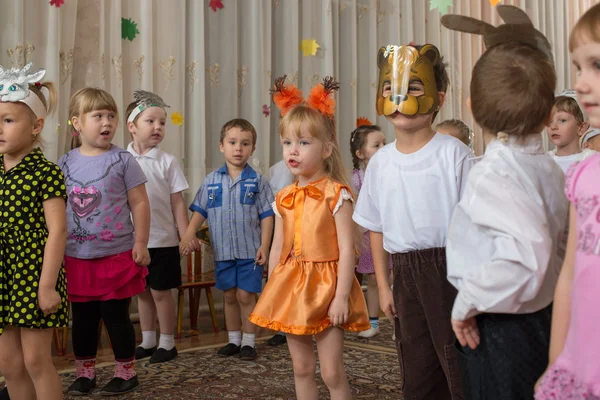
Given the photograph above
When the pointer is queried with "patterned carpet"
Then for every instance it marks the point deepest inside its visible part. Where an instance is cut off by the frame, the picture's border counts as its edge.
(371, 365)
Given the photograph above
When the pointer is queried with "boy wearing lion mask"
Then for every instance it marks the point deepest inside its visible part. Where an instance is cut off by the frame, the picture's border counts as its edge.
(409, 192)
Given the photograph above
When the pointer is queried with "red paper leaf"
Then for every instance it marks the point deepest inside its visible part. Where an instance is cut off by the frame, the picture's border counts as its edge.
(57, 3)
(216, 4)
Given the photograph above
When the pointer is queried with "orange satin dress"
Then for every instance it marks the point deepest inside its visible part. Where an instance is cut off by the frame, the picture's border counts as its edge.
(300, 289)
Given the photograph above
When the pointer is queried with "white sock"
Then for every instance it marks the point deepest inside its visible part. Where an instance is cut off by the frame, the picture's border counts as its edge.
(148, 339)
(235, 337)
(248, 339)
(166, 342)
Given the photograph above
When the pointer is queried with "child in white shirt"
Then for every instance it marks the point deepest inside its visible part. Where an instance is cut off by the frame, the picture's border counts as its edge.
(566, 126)
(409, 191)
(503, 242)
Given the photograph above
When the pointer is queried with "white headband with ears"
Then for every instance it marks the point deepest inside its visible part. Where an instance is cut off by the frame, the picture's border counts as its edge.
(14, 87)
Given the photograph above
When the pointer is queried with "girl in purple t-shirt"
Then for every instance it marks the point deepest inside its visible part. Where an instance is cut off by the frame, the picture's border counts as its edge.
(105, 258)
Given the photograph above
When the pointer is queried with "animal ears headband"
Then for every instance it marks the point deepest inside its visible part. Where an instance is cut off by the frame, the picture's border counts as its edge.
(145, 100)
(14, 87)
(320, 97)
(517, 28)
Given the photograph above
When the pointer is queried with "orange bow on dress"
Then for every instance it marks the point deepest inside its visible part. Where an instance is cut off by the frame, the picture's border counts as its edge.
(295, 200)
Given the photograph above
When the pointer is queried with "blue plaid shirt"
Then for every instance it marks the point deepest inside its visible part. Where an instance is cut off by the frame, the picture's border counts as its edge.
(234, 210)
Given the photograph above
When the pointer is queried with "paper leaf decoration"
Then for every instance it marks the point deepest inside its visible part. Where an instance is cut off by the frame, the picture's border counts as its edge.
(363, 121)
(129, 29)
(216, 4)
(57, 3)
(494, 3)
(266, 110)
(177, 118)
(309, 47)
(440, 5)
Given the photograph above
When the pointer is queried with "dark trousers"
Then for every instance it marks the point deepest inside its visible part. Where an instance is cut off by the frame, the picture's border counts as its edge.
(423, 298)
(512, 355)
(115, 315)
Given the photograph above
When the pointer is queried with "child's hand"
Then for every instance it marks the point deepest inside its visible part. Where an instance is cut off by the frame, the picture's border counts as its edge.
(140, 254)
(338, 311)
(466, 332)
(48, 300)
(189, 244)
(386, 302)
(262, 256)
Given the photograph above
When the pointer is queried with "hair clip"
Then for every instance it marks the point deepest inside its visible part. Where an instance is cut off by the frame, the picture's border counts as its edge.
(69, 122)
(38, 84)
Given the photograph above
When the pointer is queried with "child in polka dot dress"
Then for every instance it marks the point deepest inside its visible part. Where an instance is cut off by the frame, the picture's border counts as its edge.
(33, 293)
(105, 259)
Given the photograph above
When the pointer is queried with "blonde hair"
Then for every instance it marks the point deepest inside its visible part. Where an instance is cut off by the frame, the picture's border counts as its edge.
(49, 103)
(87, 100)
(464, 132)
(320, 127)
(587, 28)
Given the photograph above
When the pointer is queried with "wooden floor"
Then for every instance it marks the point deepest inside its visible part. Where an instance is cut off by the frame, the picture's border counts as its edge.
(203, 336)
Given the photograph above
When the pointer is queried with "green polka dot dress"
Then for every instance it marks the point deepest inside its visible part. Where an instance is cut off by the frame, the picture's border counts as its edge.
(23, 235)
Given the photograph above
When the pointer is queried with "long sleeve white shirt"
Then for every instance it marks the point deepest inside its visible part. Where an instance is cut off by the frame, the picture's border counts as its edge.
(506, 236)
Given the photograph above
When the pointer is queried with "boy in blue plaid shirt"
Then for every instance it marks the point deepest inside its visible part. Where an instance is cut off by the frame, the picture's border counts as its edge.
(236, 200)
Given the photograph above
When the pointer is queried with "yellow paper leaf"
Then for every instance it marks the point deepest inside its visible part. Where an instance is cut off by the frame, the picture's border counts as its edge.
(494, 3)
(177, 118)
(309, 47)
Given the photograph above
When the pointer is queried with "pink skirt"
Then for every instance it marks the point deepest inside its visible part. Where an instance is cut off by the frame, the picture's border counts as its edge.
(106, 278)
(560, 384)
(365, 258)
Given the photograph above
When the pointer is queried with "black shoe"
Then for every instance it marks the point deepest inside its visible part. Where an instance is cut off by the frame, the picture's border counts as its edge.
(119, 386)
(81, 386)
(277, 340)
(162, 355)
(4, 394)
(229, 350)
(247, 353)
(141, 352)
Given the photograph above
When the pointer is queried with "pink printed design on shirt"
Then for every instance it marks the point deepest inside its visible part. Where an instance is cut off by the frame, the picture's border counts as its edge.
(119, 226)
(585, 206)
(117, 210)
(107, 219)
(84, 200)
(107, 235)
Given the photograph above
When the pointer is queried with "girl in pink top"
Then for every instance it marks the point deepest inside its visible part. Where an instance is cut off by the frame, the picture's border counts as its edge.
(574, 371)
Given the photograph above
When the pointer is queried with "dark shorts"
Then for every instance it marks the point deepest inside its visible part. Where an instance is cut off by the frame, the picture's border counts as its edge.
(164, 271)
(243, 274)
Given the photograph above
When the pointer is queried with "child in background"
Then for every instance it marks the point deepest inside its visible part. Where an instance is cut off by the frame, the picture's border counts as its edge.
(364, 143)
(591, 140)
(279, 176)
(574, 371)
(236, 200)
(312, 289)
(146, 118)
(410, 190)
(458, 129)
(32, 238)
(105, 259)
(565, 128)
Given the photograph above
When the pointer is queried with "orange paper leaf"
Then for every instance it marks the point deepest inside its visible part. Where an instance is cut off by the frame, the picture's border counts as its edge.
(363, 121)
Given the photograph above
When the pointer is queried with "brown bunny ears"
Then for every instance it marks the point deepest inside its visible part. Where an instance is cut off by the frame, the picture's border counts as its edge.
(518, 28)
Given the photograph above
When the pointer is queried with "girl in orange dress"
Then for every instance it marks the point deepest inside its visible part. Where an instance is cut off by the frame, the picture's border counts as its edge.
(312, 289)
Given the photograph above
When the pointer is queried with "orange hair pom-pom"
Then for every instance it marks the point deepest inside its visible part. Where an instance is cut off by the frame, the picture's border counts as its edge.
(285, 96)
(363, 121)
(319, 96)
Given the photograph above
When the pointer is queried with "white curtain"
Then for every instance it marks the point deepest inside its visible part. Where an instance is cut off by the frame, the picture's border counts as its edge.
(214, 66)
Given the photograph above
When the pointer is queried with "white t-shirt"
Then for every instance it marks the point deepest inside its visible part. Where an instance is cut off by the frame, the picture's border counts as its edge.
(279, 176)
(165, 177)
(506, 239)
(410, 197)
(564, 161)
